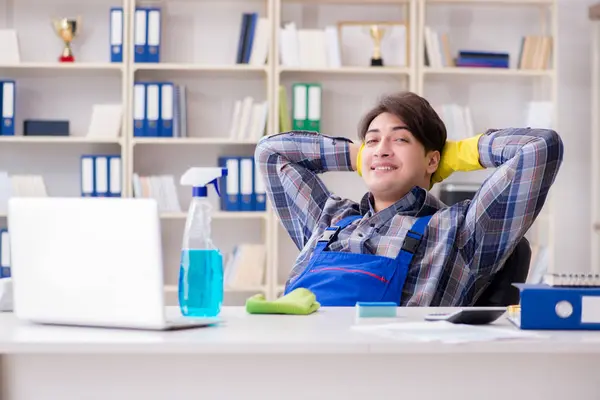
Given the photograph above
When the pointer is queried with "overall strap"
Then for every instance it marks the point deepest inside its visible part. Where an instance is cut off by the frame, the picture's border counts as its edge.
(331, 232)
(413, 240)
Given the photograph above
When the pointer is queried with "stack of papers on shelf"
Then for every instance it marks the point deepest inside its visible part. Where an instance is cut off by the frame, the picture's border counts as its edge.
(245, 267)
(19, 186)
(9, 47)
(437, 49)
(106, 121)
(311, 48)
(445, 332)
(161, 188)
(249, 119)
(28, 186)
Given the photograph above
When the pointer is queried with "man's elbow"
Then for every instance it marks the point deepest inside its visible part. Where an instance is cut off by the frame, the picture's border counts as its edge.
(549, 143)
(263, 151)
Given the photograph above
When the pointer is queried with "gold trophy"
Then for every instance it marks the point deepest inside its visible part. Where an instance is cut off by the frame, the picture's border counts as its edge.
(67, 29)
(377, 33)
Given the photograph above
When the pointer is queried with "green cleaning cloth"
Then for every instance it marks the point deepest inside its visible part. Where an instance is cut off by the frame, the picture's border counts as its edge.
(299, 302)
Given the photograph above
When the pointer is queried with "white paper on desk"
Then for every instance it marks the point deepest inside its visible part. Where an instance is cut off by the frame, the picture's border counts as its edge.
(443, 331)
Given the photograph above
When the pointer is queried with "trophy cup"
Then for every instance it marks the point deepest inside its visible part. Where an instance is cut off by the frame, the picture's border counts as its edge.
(67, 29)
(377, 33)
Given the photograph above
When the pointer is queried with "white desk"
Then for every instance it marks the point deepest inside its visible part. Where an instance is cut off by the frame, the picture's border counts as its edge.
(288, 357)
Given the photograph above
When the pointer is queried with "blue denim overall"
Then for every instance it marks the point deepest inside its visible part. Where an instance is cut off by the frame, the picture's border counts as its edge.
(342, 279)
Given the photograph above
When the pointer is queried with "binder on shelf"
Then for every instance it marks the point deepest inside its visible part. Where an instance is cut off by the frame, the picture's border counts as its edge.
(167, 109)
(139, 109)
(313, 122)
(140, 35)
(87, 176)
(231, 198)
(153, 35)
(259, 193)
(246, 168)
(546, 307)
(7, 101)
(101, 176)
(299, 106)
(114, 176)
(4, 254)
(152, 109)
(116, 34)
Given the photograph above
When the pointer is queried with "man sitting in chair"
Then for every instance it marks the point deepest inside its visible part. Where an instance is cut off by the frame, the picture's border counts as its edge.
(400, 243)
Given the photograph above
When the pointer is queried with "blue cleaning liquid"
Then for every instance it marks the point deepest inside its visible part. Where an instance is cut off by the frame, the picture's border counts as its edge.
(201, 283)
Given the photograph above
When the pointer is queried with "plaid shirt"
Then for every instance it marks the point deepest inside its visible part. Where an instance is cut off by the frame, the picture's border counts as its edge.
(464, 244)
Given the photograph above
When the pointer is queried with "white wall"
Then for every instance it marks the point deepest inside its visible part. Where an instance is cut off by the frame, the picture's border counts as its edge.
(572, 188)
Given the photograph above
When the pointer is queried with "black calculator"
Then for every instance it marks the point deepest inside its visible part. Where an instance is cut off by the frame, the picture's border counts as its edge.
(469, 316)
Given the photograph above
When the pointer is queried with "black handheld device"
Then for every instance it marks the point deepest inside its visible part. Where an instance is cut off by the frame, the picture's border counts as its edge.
(469, 316)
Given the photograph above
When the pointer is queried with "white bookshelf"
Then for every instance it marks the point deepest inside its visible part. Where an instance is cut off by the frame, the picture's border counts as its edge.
(497, 97)
(206, 66)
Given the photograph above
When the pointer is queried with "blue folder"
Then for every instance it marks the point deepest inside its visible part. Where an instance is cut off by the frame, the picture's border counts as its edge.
(547, 307)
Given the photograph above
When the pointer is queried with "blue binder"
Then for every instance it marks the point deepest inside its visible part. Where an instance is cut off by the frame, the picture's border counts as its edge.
(259, 193)
(153, 33)
(116, 34)
(246, 188)
(249, 39)
(140, 35)
(88, 176)
(230, 184)
(547, 307)
(101, 176)
(167, 109)
(7, 111)
(152, 109)
(115, 173)
(139, 109)
(4, 254)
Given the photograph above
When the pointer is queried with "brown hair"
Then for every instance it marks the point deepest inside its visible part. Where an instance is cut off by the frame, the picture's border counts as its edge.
(416, 112)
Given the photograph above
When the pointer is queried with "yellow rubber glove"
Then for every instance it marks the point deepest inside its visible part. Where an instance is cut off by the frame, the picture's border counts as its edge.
(457, 156)
(359, 160)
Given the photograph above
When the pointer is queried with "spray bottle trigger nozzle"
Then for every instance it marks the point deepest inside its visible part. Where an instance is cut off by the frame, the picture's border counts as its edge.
(216, 183)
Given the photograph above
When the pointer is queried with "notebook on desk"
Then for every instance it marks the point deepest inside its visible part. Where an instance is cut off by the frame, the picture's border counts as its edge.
(573, 279)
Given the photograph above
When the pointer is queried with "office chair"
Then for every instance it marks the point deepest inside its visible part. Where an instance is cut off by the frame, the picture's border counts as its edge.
(501, 292)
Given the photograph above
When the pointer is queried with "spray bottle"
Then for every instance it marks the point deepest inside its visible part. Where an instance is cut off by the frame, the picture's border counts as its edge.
(201, 270)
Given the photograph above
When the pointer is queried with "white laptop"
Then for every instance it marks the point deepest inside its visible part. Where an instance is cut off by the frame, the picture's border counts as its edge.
(90, 262)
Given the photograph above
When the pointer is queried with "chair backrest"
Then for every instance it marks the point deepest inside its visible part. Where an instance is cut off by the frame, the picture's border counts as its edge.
(501, 291)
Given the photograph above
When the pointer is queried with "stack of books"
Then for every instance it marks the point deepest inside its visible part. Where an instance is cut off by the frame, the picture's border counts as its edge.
(309, 48)
(249, 119)
(162, 188)
(253, 44)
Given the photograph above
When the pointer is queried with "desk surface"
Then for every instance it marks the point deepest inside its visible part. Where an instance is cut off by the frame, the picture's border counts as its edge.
(328, 331)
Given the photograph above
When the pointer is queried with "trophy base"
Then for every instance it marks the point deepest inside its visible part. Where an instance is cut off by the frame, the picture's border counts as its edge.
(66, 59)
(376, 62)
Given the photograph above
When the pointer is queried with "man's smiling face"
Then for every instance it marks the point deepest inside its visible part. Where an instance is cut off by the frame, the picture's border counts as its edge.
(393, 161)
